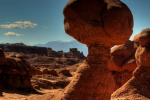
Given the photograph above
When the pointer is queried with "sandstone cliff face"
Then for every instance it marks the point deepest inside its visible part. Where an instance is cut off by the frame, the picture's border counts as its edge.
(137, 88)
(16, 72)
(73, 53)
(77, 53)
(21, 48)
(52, 53)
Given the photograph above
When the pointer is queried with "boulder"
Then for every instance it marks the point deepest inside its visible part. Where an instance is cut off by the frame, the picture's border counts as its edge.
(65, 72)
(121, 53)
(123, 62)
(137, 88)
(136, 39)
(52, 72)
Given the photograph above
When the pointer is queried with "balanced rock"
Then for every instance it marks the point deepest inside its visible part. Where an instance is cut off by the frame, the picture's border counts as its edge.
(89, 22)
(100, 24)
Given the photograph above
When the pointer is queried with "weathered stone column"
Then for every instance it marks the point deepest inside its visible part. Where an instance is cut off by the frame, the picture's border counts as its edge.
(100, 24)
(93, 80)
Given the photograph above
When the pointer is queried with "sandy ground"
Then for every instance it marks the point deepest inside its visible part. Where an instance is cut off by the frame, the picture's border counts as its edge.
(17, 95)
(41, 79)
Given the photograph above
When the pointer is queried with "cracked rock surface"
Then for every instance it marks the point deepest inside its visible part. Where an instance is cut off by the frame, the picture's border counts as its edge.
(100, 24)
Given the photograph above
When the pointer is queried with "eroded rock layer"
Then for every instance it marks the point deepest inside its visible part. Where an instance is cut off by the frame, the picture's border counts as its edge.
(100, 24)
(16, 72)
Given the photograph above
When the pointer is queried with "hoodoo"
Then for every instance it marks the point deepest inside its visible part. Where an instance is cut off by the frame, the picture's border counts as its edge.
(100, 24)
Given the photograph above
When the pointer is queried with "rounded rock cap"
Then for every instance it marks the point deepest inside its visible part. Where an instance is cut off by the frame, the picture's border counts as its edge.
(94, 21)
(144, 37)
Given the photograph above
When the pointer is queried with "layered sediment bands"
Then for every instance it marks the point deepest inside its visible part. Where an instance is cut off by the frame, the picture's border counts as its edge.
(16, 73)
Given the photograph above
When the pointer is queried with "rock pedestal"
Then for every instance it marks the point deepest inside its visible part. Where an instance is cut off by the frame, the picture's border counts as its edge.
(89, 22)
(100, 24)
(92, 79)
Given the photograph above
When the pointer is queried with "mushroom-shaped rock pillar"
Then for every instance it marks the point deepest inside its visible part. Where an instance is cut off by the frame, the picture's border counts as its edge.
(100, 24)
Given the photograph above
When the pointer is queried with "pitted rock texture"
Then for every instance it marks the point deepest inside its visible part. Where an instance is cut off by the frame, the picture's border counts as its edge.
(137, 88)
(100, 24)
(16, 72)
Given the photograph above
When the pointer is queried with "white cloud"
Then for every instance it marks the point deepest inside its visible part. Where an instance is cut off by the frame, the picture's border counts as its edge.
(44, 27)
(20, 24)
(13, 34)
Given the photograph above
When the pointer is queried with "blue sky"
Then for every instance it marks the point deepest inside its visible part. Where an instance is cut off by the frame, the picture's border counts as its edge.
(41, 21)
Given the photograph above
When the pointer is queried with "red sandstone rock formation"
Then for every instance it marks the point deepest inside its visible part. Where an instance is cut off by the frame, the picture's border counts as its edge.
(122, 56)
(89, 22)
(77, 53)
(100, 24)
(65, 72)
(16, 72)
(137, 88)
(22, 48)
(52, 72)
(122, 62)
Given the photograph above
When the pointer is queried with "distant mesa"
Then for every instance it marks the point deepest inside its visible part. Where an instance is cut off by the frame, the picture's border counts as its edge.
(64, 46)
(22, 48)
